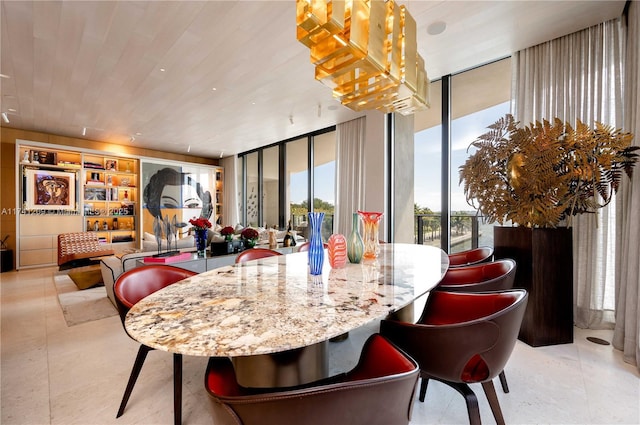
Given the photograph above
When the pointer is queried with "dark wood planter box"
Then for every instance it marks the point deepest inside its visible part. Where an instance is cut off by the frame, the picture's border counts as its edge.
(544, 260)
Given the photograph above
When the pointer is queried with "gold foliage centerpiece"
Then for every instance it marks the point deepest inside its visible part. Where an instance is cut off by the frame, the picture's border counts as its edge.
(542, 174)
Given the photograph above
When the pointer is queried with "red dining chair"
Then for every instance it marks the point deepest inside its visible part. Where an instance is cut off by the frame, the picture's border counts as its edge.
(131, 287)
(471, 256)
(494, 276)
(463, 338)
(379, 390)
(255, 253)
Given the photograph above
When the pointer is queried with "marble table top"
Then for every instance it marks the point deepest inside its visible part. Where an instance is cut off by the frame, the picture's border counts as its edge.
(273, 304)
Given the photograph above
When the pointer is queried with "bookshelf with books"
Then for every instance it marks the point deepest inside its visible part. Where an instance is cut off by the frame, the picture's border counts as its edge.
(110, 197)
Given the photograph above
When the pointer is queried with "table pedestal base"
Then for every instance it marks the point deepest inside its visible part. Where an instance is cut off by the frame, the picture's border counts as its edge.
(285, 369)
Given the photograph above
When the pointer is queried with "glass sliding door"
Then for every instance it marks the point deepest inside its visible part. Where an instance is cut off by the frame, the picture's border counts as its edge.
(479, 97)
(427, 170)
(252, 190)
(297, 184)
(270, 187)
(324, 178)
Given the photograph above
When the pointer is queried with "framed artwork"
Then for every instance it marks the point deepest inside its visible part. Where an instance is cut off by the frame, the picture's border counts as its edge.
(95, 194)
(111, 164)
(50, 190)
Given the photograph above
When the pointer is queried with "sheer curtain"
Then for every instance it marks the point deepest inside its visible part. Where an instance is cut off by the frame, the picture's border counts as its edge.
(230, 196)
(626, 336)
(350, 138)
(579, 76)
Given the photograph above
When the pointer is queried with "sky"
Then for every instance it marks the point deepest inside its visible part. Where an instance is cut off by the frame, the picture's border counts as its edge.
(464, 131)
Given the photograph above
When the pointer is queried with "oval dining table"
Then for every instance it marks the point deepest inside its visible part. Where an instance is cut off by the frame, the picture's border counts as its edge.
(273, 319)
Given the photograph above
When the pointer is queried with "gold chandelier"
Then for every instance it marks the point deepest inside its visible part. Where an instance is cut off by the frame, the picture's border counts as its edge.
(366, 52)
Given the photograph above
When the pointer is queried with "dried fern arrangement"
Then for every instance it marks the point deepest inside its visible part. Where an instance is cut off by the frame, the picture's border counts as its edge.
(542, 174)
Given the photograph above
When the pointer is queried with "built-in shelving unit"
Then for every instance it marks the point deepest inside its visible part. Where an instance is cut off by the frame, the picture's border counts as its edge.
(219, 199)
(110, 197)
(63, 191)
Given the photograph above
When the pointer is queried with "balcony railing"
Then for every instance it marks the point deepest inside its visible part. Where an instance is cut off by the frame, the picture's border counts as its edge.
(467, 231)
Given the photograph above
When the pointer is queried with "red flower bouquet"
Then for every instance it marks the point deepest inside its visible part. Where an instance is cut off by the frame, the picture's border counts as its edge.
(249, 233)
(200, 223)
(227, 232)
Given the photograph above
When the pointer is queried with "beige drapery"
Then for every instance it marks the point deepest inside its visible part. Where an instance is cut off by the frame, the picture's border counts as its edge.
(350, 165)
(230, 215)
(579, 76)
(626, 336)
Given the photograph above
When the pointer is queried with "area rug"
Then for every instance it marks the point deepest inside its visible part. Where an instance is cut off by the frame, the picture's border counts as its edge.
(82, 306)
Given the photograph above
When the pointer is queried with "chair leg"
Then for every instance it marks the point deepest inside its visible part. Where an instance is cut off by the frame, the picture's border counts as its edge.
(137, 367)
(177, 389)
(470, 399)
(424, 381)
(490, 392)
(503, 382)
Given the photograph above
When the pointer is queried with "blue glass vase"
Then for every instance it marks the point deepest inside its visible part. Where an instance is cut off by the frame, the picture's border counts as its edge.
(316, 247)
(201, 241)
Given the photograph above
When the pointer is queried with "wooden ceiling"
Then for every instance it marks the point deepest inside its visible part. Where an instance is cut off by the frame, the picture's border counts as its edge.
(222, 77)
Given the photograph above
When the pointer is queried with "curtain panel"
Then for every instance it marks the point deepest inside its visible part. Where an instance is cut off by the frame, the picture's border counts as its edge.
(579, 76)
(626, 336)
(350, 165)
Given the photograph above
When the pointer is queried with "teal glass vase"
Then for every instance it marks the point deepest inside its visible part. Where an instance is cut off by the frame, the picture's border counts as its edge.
(355, 245)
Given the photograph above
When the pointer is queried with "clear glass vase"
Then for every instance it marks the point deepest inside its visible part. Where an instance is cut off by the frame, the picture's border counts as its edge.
(355, 246)
(316, 247)
(371, 222)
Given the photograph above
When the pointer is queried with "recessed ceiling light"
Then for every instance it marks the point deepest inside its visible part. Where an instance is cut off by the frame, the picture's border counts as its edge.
(214, 89)
(5, 118)
(4, 76)
(188, 148)
(162, 70)
(138, 134)
(332, 107)
(84, 131)
(12, 110)
(436, 28)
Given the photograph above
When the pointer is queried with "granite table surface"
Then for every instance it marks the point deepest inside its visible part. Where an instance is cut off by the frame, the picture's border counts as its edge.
(273, 304)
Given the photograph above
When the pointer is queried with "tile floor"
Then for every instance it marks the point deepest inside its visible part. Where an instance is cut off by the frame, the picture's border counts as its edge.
(54, 374)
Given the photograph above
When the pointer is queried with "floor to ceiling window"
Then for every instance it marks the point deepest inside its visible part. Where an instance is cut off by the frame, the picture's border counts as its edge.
(478, 97)
(324, 177)
(285, 187)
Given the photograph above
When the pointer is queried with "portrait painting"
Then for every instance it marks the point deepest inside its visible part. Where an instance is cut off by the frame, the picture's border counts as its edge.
(50, 190)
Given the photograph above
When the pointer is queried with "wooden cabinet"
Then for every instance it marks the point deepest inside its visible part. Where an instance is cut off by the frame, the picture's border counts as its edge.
(110, 197)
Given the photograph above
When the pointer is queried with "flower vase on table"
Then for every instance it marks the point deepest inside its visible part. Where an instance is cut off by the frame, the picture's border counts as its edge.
(371, 222)
(200, 226)
(250, 237)
(201, 241)
(355, 246)
(316, 247)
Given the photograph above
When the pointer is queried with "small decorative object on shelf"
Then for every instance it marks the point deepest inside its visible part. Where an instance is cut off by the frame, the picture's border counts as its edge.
(200, 226)
(227, 232)
(316, 247)
(371, 222)
(337, 251)
(355, 246)
(250, 236)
